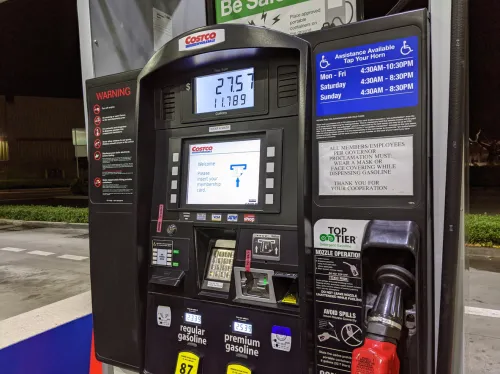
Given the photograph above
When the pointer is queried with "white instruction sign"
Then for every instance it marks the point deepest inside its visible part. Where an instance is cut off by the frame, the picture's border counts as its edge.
(162, 28)
(366, 167)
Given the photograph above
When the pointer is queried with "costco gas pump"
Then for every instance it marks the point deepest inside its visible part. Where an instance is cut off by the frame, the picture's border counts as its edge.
(222, 121)
(263, 203)
(373, 259)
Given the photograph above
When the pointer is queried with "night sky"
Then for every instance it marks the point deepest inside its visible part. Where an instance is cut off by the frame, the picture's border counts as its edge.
(40, 52)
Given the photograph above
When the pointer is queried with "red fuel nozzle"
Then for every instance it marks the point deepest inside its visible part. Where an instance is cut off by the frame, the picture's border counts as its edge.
(385, 322)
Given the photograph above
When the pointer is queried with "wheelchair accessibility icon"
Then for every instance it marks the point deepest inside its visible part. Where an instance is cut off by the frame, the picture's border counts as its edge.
(323, 64)
(406, 49)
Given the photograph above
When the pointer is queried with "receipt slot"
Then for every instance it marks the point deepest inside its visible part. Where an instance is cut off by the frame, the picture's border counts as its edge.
(373, 259)
(222, 119)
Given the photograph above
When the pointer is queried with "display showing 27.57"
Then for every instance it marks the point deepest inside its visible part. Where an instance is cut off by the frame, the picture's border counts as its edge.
(225, 91)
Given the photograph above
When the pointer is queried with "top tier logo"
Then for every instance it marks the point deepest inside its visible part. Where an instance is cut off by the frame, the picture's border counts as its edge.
(203, 149)
(202, 39)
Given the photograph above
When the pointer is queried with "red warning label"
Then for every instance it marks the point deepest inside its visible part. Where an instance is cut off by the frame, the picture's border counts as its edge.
(97, 121)
(97, 131)
(97, 155)
(160, 218)
(248, 260)
(97, 142)
(97, 109)
(97, 182)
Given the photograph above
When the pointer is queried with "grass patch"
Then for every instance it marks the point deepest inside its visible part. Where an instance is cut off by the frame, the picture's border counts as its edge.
(44, 213)
(483, 230)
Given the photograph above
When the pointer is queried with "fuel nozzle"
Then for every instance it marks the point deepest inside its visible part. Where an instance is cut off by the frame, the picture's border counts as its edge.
(386, 319)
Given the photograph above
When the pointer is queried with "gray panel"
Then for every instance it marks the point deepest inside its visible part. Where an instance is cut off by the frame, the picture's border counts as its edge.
(122, 30)
(85, 47)
(440, 44)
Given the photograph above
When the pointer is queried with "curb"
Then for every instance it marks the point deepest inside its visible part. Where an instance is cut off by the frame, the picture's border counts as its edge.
(41, 224)
(482, 252)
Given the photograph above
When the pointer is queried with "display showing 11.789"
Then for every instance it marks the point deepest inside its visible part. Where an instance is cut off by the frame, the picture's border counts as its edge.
(225, 91)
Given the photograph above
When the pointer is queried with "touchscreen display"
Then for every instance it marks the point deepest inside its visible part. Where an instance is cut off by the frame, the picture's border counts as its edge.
(224, 91)
(224, 173)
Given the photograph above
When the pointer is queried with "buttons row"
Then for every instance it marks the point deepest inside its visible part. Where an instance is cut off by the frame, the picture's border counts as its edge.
(174, 182)
(271, 153)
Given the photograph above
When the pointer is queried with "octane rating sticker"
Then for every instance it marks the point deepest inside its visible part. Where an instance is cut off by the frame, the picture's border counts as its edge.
(187, 363)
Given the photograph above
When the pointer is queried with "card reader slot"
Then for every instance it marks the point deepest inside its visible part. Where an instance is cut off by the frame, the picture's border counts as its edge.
(215, 254)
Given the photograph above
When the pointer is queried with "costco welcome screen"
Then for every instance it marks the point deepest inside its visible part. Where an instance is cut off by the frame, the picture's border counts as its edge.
(224, 173)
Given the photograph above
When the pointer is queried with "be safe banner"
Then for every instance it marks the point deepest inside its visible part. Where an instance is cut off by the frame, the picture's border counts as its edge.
(290, 16)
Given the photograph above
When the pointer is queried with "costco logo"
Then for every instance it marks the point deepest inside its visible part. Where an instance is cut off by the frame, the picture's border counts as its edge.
(202, 39)
(203, 149)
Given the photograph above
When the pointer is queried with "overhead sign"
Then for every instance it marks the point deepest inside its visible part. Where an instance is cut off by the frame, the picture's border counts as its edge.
(290, 16)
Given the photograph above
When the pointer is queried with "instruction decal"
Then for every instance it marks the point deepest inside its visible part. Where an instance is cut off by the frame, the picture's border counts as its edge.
(338, 291)
(366, 167)
(112, 147)
(266, 246)
(162, 28)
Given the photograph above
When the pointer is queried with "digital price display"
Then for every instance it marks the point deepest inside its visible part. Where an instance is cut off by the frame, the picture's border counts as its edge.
(224, 91)
(224, 173)
(371, 77)
(243, 328)
(192, 318)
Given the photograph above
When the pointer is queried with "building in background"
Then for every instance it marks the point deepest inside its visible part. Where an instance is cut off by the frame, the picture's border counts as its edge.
(36, 138)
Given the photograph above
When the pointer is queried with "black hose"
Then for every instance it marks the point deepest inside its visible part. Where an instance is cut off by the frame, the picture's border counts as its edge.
(340, 19)
(448, 332)
(400, 5)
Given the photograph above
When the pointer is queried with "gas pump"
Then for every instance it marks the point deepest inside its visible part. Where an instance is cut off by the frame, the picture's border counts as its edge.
(222, 121)
(263, 203)
(371, 197)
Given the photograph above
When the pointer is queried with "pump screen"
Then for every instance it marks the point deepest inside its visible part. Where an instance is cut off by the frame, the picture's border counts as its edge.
(221, 265)
(192, 318)
(243, 328)
(224, 173)
(224, 91)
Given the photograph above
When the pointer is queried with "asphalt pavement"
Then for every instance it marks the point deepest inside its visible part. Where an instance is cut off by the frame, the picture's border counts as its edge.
(40, 266)
(482, 318)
